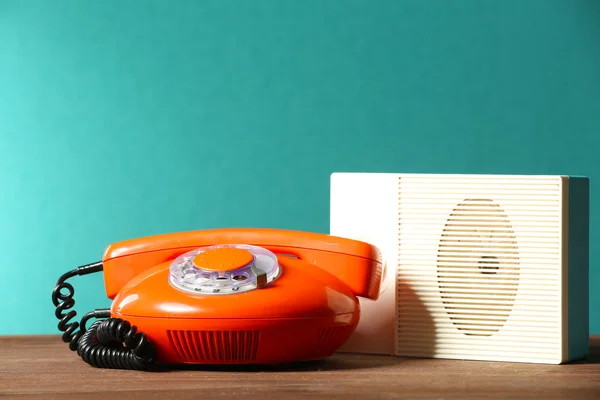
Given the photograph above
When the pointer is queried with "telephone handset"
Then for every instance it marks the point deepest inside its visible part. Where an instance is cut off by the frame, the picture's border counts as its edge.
(222, 296)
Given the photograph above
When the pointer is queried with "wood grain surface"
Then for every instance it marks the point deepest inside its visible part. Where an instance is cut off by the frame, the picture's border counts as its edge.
(42, 367)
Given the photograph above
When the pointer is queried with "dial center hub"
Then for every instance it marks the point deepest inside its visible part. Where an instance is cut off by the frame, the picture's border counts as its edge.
(223, 259)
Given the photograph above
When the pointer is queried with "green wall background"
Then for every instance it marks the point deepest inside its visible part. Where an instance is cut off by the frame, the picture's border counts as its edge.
(121, 119)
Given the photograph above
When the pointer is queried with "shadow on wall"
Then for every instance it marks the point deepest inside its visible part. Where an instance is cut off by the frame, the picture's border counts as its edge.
(594, 355)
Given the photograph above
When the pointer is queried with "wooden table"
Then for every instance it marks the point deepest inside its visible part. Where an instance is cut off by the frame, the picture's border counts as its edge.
(42, 367)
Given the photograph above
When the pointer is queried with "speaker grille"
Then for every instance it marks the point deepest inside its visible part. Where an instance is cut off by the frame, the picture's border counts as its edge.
(479, 267)
(330, 339)
(214, 346)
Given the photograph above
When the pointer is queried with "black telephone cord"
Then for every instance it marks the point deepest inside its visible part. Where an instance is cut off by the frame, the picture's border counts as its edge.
(110, 343)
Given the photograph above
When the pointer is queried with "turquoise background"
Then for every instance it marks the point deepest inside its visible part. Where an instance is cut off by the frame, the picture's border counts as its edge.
(121, 119)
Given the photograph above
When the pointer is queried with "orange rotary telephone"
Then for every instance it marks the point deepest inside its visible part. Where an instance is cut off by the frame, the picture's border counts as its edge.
(223, 296)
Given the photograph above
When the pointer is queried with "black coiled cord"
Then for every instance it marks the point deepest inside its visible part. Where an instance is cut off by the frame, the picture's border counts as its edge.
(102, 346)
(111, 343)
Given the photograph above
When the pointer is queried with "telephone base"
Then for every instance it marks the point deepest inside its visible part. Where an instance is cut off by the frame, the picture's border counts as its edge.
(245, 341)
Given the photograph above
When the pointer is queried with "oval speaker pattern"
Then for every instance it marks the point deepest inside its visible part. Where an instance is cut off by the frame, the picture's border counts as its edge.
(478, 267)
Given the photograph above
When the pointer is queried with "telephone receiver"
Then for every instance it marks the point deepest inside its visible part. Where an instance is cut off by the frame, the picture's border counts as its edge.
(222, 296)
